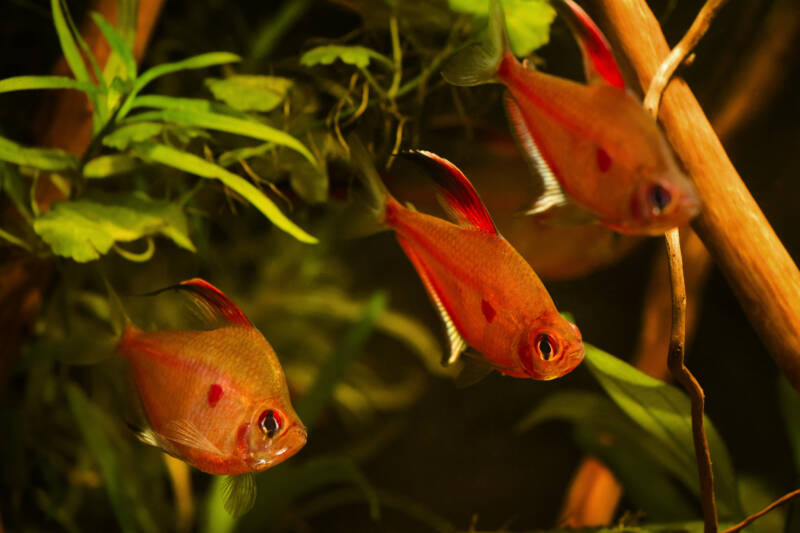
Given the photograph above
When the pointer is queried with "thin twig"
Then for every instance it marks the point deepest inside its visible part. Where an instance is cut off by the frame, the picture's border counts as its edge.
(752, 518)
(682, 375)
(679, 53)
(675, 357)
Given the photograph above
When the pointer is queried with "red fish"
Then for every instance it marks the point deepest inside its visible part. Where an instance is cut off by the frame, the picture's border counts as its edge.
(591, 143)
(486, 294)
(215, 398)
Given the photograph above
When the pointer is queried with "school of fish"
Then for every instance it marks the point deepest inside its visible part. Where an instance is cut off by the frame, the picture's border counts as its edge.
(217, 397)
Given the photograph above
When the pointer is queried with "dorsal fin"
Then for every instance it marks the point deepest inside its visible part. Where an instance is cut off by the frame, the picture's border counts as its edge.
(458, 192)
(212, 302)
(598, 60)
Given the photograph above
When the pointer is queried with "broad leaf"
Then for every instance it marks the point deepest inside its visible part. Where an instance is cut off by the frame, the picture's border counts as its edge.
(198, 166)
(200, 61)
(528, 21)
(83, 230)
(665, 413)
(250, 92)
(359, 56)
(40, 158)
(26, 83)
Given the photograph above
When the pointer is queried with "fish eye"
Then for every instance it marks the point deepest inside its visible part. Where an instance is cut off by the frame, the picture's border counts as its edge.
(659, 198)
(546, 347)
(270, 423)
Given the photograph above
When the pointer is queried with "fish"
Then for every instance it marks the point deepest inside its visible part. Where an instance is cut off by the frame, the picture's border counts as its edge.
(215, 398)
(488, 297)
(593, 145)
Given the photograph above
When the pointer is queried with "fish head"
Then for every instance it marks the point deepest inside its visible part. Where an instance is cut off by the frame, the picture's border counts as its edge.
(551, 348)
(662, 202)
(273, 434)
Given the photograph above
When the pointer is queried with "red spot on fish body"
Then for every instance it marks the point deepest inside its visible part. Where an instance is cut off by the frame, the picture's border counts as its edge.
(603, 160)
(488, 311)
(214, 394)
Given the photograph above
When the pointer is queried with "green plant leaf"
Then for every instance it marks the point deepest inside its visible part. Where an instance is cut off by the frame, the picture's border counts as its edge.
(14, 187)
(200, 167)
(250, 92)
(664, 412)
(124, 136)
(117, 44)
(231, 157)
(359, 56)
(109, 165)
(528, 21)
(68, 45)
(605, 431)
(238, 126)
(183, 104)
(41, 158)
(83, 230)
(26, 83)
(89, 420)
(200, 61)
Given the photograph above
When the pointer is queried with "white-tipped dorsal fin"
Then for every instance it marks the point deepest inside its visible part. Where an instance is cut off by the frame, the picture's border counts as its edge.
(552, 195)
(239, 493)
(457, 342)
(185, 433)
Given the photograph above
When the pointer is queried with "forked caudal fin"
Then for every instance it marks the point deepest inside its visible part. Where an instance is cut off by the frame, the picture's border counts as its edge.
(480, 63)
(598, 60)
(462, 200)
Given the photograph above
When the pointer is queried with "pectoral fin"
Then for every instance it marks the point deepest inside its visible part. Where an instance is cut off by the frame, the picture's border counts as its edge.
(185, 433)
(553, 195)
(457, 342)
(239, 494)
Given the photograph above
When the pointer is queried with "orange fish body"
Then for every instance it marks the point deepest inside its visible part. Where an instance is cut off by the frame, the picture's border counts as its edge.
(485, 292)
(215, 398)
(591, 143)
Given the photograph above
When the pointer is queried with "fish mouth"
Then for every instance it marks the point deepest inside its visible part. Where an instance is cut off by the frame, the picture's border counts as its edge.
(283, 448)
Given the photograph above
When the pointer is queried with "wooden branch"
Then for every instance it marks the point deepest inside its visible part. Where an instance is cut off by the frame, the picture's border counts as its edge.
(738, 236)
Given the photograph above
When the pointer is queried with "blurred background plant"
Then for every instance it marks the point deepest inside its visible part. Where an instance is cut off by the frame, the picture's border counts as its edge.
(223, 156)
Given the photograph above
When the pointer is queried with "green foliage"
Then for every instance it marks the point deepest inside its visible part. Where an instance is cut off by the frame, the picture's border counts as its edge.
(83, 230)
(664, 412)
(528, 21)
(250, 93)
(41, 158)
(359, 56)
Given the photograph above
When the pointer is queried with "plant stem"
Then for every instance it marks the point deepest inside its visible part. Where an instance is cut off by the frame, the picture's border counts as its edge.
(677, 341)
(681, 374)
(269, 36)
(752, 518)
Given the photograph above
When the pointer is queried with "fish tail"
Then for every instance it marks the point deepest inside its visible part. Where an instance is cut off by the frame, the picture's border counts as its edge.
(379, 197)
(484, 62)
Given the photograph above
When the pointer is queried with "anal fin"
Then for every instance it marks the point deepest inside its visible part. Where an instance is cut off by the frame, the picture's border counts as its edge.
(553, 195)
(457, 342)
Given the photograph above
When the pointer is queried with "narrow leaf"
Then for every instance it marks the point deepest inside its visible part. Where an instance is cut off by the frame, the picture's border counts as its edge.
(128, 134)
(26, 83)
(109, 165)
(68, 45)
(198, 166)
(319, 395)
(201, 61)
(89, 420)
(41, 158)
(117, 44)
(238, 126)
